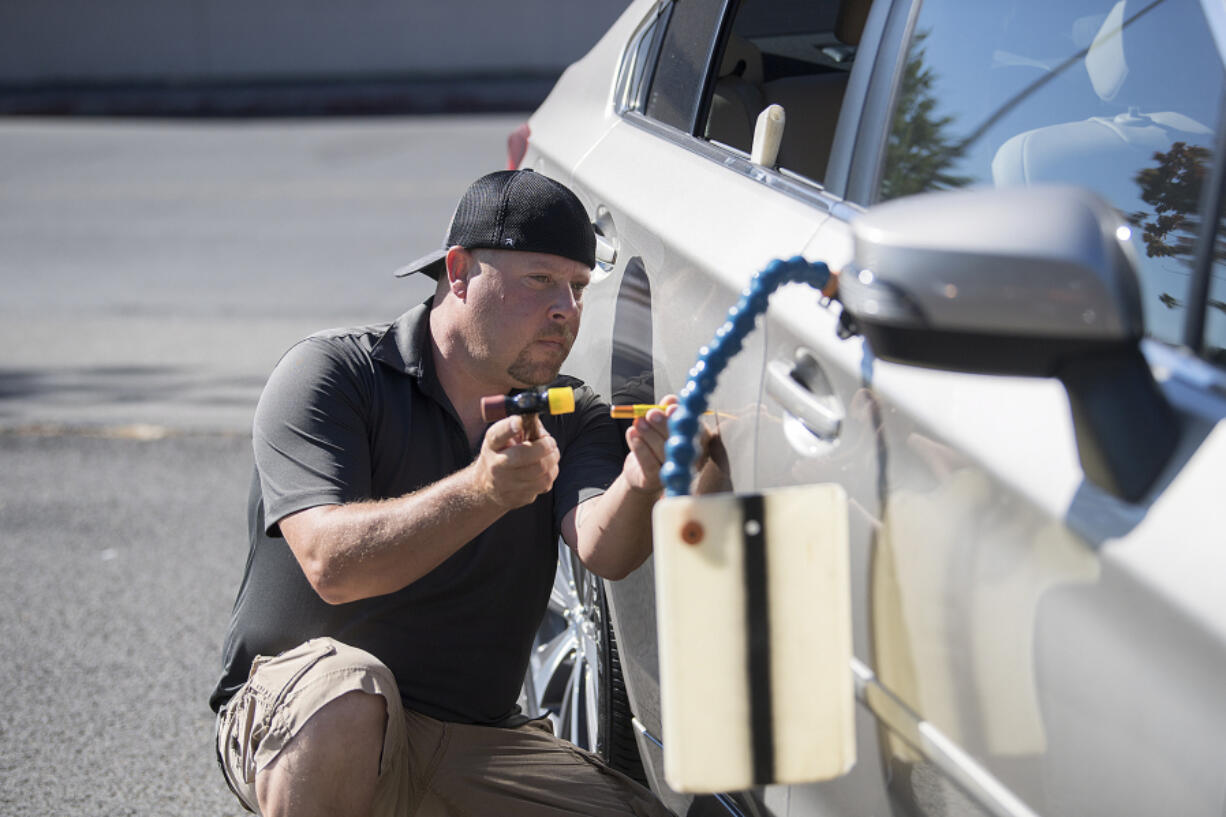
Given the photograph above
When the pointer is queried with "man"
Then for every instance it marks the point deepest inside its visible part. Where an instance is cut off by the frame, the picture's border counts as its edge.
(402, 553)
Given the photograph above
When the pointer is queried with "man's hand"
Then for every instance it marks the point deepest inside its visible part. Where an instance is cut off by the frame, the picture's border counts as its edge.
(514, 470)
(612, 533)
(647, 438)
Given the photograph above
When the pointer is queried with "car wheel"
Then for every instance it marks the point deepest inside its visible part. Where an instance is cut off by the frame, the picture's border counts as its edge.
(574, 675)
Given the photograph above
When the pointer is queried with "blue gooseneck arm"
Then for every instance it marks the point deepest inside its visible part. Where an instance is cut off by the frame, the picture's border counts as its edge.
(713, 359)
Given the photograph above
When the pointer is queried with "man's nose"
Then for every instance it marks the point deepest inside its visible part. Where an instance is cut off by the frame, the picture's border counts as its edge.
(565, 305)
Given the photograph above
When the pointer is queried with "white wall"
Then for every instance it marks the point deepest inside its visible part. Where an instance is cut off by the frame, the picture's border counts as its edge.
(48, 41)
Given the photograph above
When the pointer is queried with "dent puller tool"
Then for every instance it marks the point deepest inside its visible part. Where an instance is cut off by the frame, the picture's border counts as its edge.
(753, 596)
(529, 404)
(636, 410)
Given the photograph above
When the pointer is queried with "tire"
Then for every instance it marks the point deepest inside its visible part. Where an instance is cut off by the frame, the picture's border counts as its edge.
(574, 673)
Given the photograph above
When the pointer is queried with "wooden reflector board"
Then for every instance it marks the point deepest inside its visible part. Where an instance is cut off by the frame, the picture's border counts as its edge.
(754, 618)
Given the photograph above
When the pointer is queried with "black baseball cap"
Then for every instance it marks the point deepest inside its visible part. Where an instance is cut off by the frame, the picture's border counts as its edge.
(515, 210)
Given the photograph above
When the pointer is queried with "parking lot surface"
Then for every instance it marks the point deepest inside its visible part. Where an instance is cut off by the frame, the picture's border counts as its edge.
(153, 273)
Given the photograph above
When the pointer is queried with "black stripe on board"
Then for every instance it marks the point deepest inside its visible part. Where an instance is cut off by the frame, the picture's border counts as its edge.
(757, 621)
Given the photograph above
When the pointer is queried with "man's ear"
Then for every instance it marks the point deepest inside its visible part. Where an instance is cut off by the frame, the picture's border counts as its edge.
(461, 266)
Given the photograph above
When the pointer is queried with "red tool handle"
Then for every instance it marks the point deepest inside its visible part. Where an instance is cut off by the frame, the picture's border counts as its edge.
(494, 408)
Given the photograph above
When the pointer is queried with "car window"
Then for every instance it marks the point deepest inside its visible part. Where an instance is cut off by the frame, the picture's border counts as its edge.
(796, 54)
(681, 69)
(1120, 96)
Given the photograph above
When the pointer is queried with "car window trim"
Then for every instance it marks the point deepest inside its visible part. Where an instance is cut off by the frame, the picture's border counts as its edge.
(872, 135)
(855, 99)
(710, 36)
(715, 57)
(631, 94)
(1202, 272)
(1215, 18)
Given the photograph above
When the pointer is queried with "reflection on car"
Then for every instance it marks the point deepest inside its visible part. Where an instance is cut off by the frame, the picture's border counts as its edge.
(1027, 366)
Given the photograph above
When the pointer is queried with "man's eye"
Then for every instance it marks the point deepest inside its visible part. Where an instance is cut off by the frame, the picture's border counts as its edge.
(578, 288)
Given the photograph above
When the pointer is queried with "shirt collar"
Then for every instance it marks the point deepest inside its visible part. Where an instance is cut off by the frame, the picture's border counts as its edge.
(405, 345)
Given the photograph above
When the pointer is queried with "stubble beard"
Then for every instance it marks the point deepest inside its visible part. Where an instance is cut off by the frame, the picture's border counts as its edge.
(536, 372)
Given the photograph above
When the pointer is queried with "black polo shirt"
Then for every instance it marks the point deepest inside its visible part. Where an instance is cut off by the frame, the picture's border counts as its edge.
(359, 414)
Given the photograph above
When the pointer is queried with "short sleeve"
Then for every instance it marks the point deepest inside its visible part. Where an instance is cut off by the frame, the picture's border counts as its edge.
(592, 455)
(310, 434)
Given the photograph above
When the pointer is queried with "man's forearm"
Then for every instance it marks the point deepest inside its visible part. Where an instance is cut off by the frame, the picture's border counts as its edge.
(613, 531)
(366, 549)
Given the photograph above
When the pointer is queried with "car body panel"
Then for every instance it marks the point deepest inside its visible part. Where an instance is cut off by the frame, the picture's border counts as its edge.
(1028, 643)
(688, 271)
(562, 132)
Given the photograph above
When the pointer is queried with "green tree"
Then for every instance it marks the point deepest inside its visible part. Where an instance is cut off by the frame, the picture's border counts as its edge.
(919, 151)
(1172, 189)
(1171, 228)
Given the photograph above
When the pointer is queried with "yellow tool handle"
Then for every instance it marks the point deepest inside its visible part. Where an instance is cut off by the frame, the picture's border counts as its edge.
(633, 412)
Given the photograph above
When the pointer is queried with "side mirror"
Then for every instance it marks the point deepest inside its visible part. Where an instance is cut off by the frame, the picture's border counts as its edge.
(1027, 281)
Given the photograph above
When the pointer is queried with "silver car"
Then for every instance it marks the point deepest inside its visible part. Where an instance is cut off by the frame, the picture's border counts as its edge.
(1020, 387)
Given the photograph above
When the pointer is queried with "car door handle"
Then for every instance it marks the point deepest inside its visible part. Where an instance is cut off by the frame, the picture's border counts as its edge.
(606, 250)
(606, 238)
(785, 384)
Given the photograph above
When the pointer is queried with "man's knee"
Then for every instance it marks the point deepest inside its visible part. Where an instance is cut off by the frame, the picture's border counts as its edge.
(321, 704)
(355, 718)
(332, 765)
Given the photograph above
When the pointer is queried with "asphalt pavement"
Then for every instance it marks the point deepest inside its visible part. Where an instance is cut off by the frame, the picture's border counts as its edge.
(152, 273)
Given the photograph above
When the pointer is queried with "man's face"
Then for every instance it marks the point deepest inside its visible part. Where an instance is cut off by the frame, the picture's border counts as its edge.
(525, 313)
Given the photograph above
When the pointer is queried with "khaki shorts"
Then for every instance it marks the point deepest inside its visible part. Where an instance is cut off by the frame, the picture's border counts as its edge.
(429, 768)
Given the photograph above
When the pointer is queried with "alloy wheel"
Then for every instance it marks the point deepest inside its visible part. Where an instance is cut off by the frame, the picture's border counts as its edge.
(564, 678)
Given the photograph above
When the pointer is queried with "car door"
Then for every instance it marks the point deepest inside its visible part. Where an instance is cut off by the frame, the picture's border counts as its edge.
(690, 218)
(1027, 641)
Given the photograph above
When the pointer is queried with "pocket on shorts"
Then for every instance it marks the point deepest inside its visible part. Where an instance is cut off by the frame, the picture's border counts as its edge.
(271, 680)
(274, 677)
